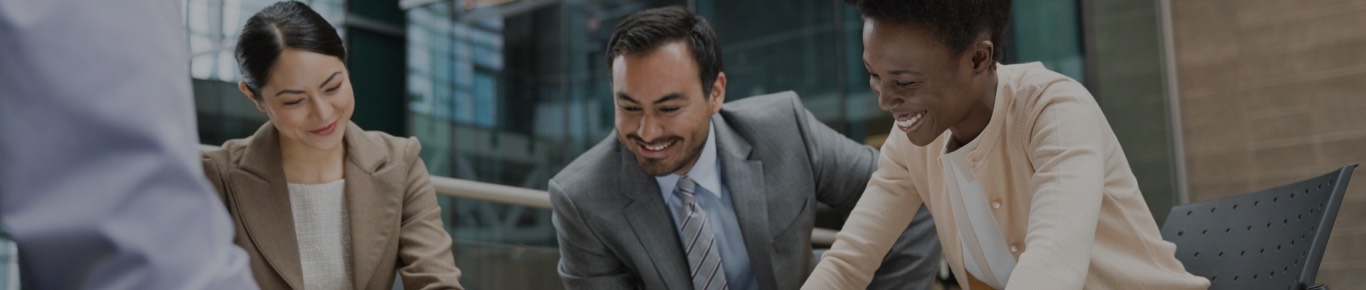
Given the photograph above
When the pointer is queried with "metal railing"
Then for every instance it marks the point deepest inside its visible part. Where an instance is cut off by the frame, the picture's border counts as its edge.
(540, 199)
(468, 189)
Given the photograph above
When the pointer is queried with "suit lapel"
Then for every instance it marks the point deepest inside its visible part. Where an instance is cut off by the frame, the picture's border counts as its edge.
(650, 222)
(374, 198)
(745, 180)
(262, 198)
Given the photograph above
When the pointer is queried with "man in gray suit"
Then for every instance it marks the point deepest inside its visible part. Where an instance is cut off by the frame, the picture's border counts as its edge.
(691, 195)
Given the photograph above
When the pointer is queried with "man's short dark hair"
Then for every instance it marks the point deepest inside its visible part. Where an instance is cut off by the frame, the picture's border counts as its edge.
(647, 30)
(957, 23)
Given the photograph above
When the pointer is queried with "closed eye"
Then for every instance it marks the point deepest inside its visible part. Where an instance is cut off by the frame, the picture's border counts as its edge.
(668, 109)
(294, 102)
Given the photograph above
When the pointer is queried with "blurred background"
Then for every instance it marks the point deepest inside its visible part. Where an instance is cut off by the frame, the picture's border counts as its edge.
(1209, 98)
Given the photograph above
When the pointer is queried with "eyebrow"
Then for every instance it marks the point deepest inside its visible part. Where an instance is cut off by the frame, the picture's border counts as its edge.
(282, 92)
(672, 96)
(895, 72)
(328, 80)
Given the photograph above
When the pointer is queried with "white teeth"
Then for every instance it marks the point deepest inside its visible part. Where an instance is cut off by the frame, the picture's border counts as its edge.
(911, 121)
(659, 147)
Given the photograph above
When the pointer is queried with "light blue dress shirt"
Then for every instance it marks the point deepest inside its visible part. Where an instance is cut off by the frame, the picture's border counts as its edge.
(720, 213)
(101, 182)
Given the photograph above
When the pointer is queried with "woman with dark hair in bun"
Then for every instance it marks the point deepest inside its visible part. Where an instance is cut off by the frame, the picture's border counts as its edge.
(319, 203)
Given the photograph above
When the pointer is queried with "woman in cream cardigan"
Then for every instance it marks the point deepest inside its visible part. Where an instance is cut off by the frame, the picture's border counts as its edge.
(1028, 186)
(317, 202)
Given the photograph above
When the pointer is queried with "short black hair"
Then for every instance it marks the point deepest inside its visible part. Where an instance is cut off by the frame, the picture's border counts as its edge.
(285, 24)
(957, 23)
(649, 29)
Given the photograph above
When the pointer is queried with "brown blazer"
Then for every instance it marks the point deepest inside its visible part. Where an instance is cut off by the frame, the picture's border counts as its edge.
(395, 221)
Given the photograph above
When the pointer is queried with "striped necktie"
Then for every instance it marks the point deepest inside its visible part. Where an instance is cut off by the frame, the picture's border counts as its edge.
(699, 242)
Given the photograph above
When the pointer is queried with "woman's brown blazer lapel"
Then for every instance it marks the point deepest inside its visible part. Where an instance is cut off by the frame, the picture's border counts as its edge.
(261, 197)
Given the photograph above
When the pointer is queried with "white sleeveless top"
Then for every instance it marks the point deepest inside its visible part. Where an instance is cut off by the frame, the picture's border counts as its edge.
(972, 204)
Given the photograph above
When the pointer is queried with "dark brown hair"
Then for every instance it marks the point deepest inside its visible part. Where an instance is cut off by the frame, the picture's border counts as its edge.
(649, 29)
(285, 24)
(957, 23)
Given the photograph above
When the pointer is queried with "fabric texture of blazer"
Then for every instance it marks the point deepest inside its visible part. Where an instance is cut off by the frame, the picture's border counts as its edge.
(777, 161)
(395, 222)
(1059, 186)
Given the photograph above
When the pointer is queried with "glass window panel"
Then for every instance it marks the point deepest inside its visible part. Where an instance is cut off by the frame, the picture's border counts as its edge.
(1048, 32)
(772, 48)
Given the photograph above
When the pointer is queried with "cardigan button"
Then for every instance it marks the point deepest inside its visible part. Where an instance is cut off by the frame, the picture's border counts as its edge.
(996, 204)
(1014, 248)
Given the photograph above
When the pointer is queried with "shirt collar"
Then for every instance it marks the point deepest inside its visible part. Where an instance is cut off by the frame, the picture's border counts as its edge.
(706, 172)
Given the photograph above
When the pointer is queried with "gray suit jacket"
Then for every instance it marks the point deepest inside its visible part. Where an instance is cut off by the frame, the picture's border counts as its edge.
(778, 161)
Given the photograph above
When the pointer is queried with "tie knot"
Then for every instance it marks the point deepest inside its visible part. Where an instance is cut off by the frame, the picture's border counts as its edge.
(687, 185)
